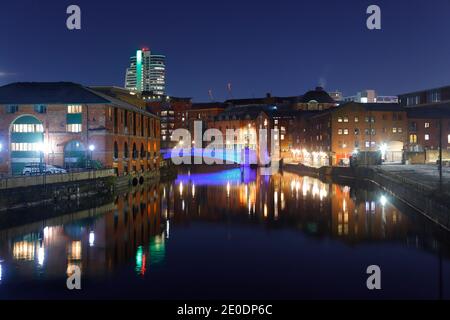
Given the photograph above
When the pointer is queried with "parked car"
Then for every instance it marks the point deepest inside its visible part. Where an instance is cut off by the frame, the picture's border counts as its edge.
(46, 168)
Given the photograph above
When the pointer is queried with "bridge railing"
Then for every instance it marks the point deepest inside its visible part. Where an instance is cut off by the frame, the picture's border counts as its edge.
(237, 156)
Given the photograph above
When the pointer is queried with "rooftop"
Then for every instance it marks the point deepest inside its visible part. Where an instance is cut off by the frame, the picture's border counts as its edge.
(48, 93)
(319, 95)
(61, 93)
(430, 112)
(208, 105)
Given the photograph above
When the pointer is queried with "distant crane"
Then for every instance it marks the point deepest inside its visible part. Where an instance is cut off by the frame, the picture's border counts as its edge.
(229, 89)
(210, 94)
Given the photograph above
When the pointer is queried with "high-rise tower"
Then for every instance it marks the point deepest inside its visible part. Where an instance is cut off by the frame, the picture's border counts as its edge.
(146, 73)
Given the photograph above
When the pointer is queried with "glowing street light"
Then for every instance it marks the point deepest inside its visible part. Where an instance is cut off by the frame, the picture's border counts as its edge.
(91, 149)
(383, 149)
(383, 200)
(1, 147)
(91, 238)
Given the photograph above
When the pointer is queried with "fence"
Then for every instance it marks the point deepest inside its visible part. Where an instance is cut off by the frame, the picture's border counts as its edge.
(44, 179)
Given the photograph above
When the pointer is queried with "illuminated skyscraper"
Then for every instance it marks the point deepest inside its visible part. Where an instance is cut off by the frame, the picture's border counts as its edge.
(147, 72)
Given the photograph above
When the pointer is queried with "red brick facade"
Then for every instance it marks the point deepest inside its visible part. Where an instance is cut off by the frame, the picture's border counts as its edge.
(103, 126)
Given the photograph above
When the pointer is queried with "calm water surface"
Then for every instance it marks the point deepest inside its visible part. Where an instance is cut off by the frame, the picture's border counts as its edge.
(226, 234)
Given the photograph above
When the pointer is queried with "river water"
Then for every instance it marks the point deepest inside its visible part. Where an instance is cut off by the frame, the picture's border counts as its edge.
(226, 234)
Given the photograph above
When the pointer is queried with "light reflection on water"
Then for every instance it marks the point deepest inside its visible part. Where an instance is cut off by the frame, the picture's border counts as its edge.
(168, 233)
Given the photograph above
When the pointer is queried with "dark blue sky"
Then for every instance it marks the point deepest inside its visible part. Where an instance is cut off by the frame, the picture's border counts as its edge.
(283, 46)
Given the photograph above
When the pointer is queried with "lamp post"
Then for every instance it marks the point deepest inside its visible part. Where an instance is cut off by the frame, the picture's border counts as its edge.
(42, 149)
(91, 150)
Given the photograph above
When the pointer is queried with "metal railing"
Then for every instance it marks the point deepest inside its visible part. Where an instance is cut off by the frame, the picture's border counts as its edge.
(45, 179)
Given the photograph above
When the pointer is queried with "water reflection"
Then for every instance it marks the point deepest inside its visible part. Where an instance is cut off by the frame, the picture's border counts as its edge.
(138, 234)
(288, 200)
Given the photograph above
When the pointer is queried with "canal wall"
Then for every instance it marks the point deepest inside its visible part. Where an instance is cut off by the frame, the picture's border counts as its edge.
(30, 191)
(424, 199)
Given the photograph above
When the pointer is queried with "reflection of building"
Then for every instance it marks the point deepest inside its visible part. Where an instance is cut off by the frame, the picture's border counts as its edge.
(317, 208)
(129, 231)
(136, 219)
(70, 125)
(364, 216)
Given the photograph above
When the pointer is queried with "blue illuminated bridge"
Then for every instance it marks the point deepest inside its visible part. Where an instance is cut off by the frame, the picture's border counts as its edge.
(243, 156)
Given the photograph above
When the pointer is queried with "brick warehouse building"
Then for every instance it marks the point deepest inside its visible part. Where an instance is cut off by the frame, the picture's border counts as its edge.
(68, 125)
(332, 136)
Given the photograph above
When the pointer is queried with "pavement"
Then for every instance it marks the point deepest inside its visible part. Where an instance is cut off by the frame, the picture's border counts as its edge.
(422, 174)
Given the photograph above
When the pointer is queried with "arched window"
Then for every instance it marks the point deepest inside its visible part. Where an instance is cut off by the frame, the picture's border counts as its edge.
(125, 150)
(27, 143)
(135, 152)
(142, 151)
(116, 150)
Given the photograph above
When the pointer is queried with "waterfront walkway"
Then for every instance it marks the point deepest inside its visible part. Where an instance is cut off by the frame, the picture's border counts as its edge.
(426, 176)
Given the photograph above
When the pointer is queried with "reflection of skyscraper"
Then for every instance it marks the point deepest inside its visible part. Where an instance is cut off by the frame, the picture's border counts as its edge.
(146, 73)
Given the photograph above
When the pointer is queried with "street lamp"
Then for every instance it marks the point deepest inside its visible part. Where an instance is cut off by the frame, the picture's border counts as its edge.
(383, 200)
(91, 149)
(42, 149)
(383, 149)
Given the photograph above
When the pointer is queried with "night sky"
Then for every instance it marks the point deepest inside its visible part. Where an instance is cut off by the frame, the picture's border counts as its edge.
(284, 47)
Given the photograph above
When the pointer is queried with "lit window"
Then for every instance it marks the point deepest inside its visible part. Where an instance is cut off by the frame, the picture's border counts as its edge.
(367, 144)
(399, 130)
(74, 127)
(24, 146)
(346, 131)
(28, 128)
(394, 130)
(356, 119)
(74, 109)
(427, 137)
(427, 124)
(340, 119)
(282, 137)
(345, 119)
(448, 138)
(339, 131)
(412, 138)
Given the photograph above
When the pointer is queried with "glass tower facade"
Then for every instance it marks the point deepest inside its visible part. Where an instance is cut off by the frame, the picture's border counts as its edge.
(147, 72)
